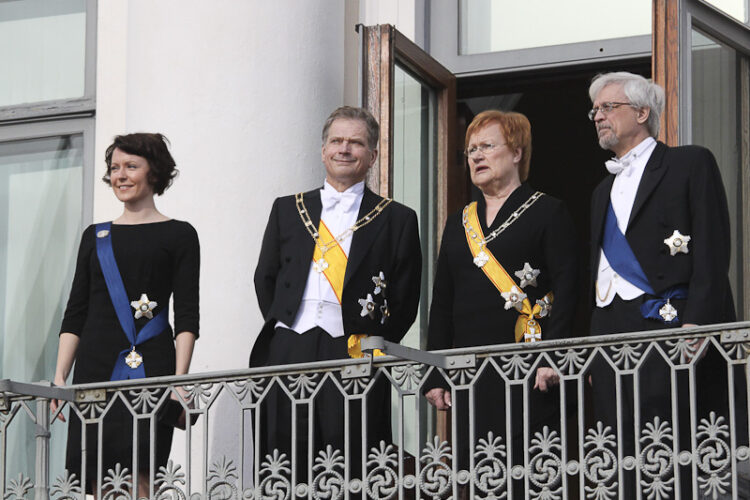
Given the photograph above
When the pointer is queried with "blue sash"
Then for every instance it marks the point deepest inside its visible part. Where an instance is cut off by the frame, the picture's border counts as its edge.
(622, 259)
(120, 301)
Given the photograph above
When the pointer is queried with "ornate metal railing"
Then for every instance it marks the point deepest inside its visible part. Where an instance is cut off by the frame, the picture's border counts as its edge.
(543, 446)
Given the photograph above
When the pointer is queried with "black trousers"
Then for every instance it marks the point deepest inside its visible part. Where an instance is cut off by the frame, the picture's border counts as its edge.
(655, 387)
(323, 412)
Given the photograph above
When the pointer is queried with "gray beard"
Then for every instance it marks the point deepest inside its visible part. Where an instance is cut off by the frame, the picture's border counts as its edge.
(609, 141)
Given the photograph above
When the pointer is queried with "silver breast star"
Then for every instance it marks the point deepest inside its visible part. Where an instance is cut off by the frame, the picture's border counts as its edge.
(368, 306)
(527, 275)
(385, 312)
(143, 307)
(513, 298)
(677, 243)
(545, 306)
(380, 283)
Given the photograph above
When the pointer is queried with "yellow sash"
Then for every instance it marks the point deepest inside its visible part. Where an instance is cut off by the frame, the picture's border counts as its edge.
(335, 273)
(336, 259)
(527, 328)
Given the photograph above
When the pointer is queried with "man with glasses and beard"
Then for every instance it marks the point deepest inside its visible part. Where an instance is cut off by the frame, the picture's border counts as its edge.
(660, 246)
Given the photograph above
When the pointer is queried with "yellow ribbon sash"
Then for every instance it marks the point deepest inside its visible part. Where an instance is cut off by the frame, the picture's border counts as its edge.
(527, 327)
(334, 273)
(336, 259)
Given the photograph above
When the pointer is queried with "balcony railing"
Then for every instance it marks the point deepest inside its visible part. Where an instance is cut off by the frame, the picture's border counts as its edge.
(541, 448)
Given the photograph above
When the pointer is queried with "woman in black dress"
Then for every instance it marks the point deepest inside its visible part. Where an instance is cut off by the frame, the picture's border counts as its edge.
(156, 257)
(506, 273)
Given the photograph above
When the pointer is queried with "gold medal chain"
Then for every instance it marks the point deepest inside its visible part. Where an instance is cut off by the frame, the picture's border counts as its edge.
(362, 222)
(505, 225)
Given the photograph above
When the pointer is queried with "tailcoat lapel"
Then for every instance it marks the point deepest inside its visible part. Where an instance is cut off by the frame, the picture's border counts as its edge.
(652, 174)
(364, 237)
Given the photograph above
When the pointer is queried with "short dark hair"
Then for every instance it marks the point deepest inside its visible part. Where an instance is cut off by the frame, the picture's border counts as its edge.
(155, 149)
(352, 113)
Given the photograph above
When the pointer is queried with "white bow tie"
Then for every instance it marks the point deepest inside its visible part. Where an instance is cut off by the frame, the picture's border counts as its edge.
(330, 199)
(617, 165)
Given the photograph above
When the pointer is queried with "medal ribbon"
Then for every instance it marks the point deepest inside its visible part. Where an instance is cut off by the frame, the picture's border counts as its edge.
(527, 328)
(336, 259)
(119, 298)
(623, 260)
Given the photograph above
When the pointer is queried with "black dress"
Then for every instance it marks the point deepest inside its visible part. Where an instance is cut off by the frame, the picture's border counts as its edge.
(467, 310)
(158, 259)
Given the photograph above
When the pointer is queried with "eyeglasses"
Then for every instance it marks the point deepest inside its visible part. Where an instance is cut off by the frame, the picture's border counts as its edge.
(606, 108)
(483, 148)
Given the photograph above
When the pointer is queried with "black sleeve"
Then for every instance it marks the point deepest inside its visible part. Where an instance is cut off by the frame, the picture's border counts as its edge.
(406, 280)
(268, 262)
(186, 272)
(78, 300)
(560, 255)
(440, 329)
(710, 240)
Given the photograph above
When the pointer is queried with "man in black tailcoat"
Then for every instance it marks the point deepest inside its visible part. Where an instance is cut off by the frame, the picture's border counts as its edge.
(335, 261)
(660, 246)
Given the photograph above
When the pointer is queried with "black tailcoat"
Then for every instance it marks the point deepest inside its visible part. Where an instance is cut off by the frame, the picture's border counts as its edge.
(681, 189)
(389, 244)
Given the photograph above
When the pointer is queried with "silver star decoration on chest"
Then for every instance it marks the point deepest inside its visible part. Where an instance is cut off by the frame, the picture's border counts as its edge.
(527, 275)
(143, 307)
(481, 259)
(545, 306)
(677, 243)
(320, 265)
(668, 312)
(380, 283)
(513, 298)
(368, 306)
(385, 312)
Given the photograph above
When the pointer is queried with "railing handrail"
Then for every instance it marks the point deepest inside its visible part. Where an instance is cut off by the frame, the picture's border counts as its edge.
(13, 390)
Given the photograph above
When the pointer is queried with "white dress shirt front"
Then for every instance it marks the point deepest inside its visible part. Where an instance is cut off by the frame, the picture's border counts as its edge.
(319, 306)
(622, 196)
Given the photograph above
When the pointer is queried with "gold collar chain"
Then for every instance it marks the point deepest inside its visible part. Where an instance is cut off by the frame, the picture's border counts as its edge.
(505, 225)
(362, 222)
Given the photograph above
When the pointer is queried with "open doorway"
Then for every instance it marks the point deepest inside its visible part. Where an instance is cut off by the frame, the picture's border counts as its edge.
(566, 160)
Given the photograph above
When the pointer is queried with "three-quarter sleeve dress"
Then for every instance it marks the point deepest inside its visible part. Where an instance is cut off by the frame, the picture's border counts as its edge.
(161, 260)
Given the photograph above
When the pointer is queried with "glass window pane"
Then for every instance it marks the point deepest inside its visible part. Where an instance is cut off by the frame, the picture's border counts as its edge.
(42, 50)
(415, 185)
(41, 201)
(715, 118)
(498, 25)
(735, 8)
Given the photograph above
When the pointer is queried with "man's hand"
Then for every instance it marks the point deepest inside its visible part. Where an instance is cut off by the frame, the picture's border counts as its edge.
(546, 378)
(439, 398)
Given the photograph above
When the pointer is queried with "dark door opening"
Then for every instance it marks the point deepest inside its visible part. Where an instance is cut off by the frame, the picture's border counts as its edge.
(566, 160)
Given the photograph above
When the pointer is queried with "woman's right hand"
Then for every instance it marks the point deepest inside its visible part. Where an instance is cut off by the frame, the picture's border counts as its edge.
(54, 404)
(439, 398)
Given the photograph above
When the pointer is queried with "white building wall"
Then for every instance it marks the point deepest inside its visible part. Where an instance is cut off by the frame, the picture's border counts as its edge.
(241, 89)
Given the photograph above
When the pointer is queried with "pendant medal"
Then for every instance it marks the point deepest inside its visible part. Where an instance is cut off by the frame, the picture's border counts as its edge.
(133, 359)
(668, 312)
(320, 265)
